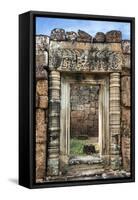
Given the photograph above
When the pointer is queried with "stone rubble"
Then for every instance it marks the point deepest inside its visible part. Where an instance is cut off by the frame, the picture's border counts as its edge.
(83, 36)
(58, 34)
(99, 37)
(114, 36)
(71, 36)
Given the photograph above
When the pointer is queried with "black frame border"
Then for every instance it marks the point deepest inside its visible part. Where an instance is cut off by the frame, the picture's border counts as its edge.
(27, 84)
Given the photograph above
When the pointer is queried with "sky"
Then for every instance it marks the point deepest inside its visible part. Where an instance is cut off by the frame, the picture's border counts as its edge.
(44, 26)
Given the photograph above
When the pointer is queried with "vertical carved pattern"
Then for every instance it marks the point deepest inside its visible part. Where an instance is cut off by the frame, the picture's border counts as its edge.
(115, 119)
(54, 124)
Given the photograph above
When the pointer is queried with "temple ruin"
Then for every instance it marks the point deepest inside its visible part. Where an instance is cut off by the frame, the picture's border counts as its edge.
(83, 89)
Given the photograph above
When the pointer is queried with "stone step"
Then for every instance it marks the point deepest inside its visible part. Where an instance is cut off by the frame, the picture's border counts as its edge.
(74, 160)
(85, 172)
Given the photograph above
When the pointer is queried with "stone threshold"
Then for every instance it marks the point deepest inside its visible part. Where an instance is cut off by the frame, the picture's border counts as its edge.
(85, 160)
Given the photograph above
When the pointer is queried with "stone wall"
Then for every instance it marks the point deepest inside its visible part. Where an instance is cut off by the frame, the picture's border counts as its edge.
(41, 106)
(126, 105)
(42, 46)
(84, 110)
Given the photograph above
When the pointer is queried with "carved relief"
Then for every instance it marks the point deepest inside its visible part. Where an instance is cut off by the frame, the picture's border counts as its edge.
(86, 60)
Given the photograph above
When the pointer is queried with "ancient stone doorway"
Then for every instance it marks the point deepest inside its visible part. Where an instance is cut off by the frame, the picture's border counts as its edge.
(91, 65)
(84, 120)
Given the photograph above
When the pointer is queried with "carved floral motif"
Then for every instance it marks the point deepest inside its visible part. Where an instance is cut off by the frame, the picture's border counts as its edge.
(86, 60)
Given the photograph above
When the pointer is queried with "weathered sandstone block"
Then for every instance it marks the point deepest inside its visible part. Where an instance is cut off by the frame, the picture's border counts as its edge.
(125, 93)
(43, 102)
(41, 131)
(126, 117)
(113, 36)
(83, 36)
(42, 43)
(42, 58)
(127, 60)
(99, 37)
(40, 125)
(126, 46)
(58, 34)
(40, 161)
(71, 36)
(126, 153)
(36, 101)
(77, 114)
(41, 73)
(42, 87)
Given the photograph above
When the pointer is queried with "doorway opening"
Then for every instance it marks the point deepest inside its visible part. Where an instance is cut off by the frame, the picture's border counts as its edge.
(84, 119)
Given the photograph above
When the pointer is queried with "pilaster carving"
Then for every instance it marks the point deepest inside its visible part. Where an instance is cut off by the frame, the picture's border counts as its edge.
(54, 124)
(115, 120)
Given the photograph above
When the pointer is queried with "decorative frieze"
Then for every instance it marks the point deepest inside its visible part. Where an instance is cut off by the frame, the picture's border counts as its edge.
(93, 60)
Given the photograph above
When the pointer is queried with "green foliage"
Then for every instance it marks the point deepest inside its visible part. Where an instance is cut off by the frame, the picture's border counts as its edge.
(76, 146)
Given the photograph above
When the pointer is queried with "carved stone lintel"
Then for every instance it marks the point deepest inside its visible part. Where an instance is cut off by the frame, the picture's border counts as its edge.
(93, 60)
(54, 124)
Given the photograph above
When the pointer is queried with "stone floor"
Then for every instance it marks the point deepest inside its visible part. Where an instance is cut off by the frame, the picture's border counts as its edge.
(99, 174)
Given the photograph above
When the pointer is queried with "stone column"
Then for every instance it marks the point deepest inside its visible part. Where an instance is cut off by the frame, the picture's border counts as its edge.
(115, 120)
(54, 124)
